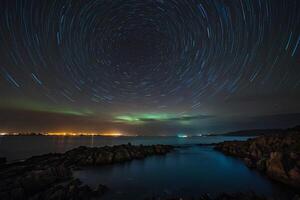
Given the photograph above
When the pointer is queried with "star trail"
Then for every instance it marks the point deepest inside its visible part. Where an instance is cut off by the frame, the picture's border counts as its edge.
(148, 65)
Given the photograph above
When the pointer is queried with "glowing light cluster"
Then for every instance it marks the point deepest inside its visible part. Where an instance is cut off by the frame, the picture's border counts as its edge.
(182, 135)
(9, 134)
(108, 134)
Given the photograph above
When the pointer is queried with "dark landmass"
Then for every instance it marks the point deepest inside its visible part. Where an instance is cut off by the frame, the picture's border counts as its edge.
(254, 132)
(207, 144)
(276, 155)
(224, 196)
(49, 177)
(259, 132)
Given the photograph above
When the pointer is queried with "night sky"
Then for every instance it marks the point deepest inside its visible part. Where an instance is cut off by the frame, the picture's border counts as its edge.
(149, 67)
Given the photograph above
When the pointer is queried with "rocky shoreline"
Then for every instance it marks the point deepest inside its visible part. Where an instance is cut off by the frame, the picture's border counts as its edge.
(49, 177)
(224, 196)
(277, 155)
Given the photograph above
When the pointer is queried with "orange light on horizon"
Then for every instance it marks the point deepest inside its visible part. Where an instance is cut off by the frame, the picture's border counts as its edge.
(108, 134)
(112, 134)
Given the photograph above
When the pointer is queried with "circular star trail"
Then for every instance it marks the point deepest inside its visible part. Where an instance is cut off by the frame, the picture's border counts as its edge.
(156, 53)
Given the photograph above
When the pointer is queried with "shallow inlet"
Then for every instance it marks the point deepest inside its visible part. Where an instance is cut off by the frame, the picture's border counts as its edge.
(185, 172)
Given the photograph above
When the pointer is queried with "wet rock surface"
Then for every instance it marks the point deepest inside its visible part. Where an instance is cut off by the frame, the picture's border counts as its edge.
(50, 176)
(277, 156)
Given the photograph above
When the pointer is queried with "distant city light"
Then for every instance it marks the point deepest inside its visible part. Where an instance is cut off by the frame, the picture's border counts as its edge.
(110, 134)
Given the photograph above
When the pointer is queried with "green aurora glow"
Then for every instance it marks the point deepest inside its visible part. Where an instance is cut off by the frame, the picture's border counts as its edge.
(24, 104)
(154, 117)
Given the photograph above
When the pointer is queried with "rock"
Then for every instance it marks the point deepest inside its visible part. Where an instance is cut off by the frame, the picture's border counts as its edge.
(49, 176)
(17, 193)
(103, 158)
(276, 155)
(121, 155)
(224, 196)
(249, 162)
(296, 197)
(38, 180)
(101, 189)
(2, 160)
(294, 176)
(261, 164)
(59, 193)
(275, 167)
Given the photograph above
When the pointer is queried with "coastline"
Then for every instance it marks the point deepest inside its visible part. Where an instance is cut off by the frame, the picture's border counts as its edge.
(50, 176)
(57, 168)
(277, 156)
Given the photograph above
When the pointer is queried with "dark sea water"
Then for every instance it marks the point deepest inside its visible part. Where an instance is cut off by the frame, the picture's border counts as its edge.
(188, 171)
(22, 147)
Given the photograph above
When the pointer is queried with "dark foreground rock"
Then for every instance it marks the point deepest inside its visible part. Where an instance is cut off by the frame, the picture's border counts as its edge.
(225, 196)
(238, 196)
(277, 156)
(50, 176)
(71, 190)
(2, 160)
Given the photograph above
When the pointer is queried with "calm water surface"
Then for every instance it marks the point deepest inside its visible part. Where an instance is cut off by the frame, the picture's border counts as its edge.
(188, 171)
(185, 172)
